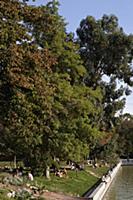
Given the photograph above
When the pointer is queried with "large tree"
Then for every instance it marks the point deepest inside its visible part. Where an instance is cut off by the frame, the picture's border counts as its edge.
(46, 109)
(107, 53)
(25, 88)
(105, 49)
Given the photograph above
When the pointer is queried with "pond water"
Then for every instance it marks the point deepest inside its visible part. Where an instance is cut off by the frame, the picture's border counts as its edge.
(122, 186)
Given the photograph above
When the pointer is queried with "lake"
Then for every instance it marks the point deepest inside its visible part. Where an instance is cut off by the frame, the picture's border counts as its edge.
(122, 186)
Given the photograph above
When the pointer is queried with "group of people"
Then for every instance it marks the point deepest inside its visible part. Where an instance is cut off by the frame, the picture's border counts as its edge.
(61, 173)
(18, 173)
(106, 177)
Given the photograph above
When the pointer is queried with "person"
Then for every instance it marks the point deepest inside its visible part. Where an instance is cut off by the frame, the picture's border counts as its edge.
(104, 179)
(14, 172)
(109, 174)
(20, 171)
(30, 176)
(58, 173)
(65, 172)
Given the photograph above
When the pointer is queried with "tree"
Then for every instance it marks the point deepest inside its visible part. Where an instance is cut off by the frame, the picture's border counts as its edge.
(48, 30)
(44, 102)
(105, 49)
(73, 106)
(107, 54)
(25, 89)
(125, 136)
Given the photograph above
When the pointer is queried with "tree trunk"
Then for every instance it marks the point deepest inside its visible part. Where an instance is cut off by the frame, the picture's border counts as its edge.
(15, 164)
(48, 172)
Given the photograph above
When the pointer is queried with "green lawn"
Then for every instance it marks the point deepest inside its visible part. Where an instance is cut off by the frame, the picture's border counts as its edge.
(99, 171)
(74, 184)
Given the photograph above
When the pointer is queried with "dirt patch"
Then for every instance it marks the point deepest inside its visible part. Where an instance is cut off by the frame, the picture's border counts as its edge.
(46, 194)
(57, 196)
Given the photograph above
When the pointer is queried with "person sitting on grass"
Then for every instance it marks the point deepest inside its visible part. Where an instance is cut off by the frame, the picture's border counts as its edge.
(61, 173)
(30, 176)
(58, 173)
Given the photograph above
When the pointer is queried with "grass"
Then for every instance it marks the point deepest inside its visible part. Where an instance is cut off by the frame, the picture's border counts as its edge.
(74, 184)
(99, 171)
(3, 194)
(10, 164)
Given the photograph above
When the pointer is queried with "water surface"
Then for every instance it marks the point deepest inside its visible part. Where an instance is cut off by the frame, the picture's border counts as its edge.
(122, 186)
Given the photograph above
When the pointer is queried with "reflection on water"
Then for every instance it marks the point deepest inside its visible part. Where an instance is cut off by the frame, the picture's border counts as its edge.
(122, 186)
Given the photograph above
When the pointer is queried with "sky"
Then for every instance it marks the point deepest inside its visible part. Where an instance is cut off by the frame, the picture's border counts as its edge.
(75, 10)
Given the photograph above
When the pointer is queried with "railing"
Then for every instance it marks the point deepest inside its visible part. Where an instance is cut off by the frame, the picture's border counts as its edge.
(126, 162)
(99, 192)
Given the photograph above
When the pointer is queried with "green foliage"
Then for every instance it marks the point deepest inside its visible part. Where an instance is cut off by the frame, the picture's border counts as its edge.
(109, 151)
(107, 53)
(45, 105)
(23, 194)
(105, 49)
(53, 100)
(125, 136)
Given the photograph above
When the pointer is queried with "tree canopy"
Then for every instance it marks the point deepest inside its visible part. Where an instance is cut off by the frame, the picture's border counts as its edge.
(54, 100)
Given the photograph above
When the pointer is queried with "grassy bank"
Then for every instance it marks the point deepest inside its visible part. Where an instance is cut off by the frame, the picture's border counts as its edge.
(74, 184)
